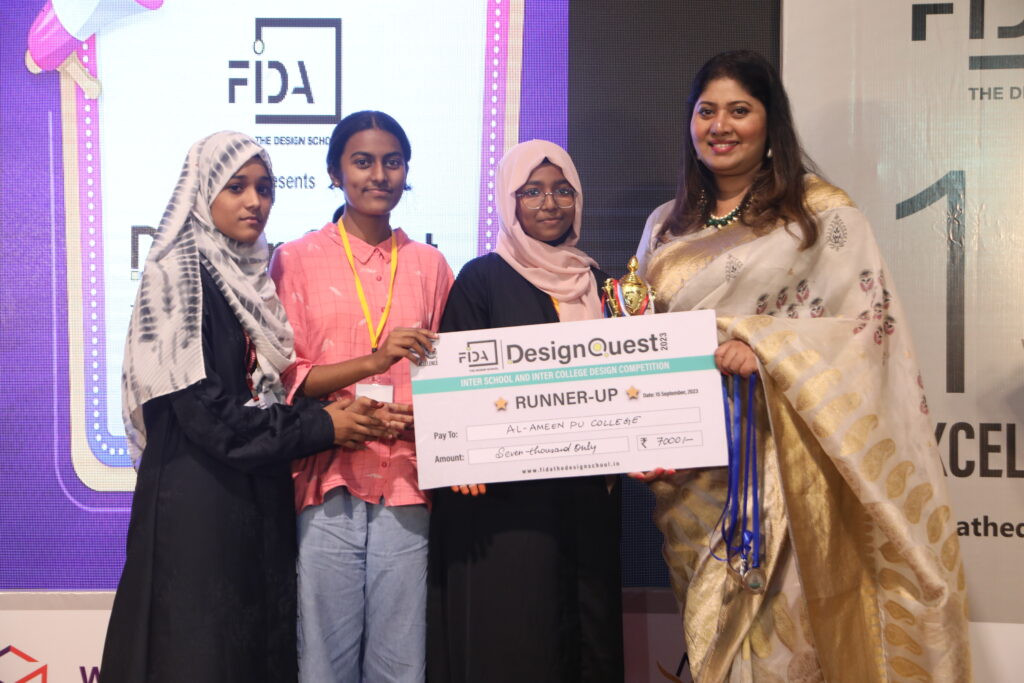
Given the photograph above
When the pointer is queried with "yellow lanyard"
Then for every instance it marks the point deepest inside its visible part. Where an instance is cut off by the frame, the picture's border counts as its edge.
(555, 302)
(374, 334)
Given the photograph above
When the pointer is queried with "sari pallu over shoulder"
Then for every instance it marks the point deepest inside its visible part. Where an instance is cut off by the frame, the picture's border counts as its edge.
(848, 438)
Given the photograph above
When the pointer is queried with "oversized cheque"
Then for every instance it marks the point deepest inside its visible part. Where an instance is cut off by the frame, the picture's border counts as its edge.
(570, 399)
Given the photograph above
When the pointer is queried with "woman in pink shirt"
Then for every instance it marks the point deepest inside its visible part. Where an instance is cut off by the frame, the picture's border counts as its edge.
(362, 297)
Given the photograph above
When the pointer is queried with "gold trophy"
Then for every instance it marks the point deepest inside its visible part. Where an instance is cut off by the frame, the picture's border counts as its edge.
(629, 295)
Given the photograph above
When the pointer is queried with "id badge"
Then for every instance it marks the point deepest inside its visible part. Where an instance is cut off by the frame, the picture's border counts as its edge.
(263, 402)
(268, 399)
(385, 393)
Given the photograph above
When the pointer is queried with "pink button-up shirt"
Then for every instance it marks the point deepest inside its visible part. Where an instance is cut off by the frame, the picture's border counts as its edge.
(318, 290)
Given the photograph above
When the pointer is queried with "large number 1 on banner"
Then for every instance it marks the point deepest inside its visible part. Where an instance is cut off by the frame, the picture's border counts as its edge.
(952, 187)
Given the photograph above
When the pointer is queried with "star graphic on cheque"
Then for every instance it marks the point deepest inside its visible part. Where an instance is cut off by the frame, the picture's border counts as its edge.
(500, 404)
(633, 393)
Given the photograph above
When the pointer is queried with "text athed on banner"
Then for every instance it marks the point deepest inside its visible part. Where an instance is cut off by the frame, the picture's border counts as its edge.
(570, 399)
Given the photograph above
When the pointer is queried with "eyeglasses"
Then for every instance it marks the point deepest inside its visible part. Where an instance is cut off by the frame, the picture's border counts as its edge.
(534, 199)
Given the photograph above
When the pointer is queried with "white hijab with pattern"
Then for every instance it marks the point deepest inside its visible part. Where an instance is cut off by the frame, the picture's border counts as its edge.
(164, 349)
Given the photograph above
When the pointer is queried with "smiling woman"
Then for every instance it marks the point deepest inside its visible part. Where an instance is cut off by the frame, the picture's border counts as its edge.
(547, 204)
(541, 554)
(371, 171)
(841, 449)
(365, 300)
(729, 131)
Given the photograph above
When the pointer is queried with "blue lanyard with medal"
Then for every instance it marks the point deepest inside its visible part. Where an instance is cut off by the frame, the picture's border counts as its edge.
(379, 392)
(741, 517)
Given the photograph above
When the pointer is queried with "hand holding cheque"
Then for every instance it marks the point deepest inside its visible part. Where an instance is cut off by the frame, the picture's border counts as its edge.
(570, 399)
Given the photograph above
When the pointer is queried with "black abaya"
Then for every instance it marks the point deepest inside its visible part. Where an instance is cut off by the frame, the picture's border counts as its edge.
(208, 588)
(524, 581)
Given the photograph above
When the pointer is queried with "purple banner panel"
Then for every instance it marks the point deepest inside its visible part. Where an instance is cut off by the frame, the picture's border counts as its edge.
(57, 533)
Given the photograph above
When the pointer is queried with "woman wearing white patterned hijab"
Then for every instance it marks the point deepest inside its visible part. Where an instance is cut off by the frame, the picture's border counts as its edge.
(164, 349)
(208, 587)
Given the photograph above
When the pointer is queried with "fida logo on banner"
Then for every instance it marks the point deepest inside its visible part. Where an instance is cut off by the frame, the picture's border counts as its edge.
(284, 83)
(285, 87)
(994, 455)
(952, 186)
(976, 31)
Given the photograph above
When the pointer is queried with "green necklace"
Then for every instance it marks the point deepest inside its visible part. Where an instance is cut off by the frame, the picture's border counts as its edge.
(719, 222)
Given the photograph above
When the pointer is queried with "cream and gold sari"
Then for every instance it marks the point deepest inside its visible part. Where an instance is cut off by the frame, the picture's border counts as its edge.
(865, 581)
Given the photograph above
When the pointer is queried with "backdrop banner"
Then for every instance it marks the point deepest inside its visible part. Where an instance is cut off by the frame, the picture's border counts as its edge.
(917, 110)
(100, 102)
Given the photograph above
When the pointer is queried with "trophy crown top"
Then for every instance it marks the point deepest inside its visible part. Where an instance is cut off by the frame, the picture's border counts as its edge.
(629, 295)
(631, 277)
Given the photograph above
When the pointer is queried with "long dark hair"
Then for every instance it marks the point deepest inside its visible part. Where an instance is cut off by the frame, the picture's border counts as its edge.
(777, 193)
(354, 123)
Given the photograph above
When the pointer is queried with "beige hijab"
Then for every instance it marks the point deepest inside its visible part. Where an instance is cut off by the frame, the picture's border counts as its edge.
(563, 271)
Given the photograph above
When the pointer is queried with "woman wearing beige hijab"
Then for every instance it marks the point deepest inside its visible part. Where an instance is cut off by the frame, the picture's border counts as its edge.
(523, 578)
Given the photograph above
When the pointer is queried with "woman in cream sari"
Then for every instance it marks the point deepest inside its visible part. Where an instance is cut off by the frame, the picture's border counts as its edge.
(861, 563)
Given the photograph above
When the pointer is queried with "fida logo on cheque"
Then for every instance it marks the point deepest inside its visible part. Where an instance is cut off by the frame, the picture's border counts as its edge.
(598, 347)
(480, 354)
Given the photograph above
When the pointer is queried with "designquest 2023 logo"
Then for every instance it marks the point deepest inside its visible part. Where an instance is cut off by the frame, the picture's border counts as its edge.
(486, 354)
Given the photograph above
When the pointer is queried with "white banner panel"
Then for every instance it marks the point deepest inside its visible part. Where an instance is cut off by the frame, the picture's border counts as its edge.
(917, 110)
(176, 74)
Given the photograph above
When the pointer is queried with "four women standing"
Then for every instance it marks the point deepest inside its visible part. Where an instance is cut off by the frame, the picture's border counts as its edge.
(855, 545)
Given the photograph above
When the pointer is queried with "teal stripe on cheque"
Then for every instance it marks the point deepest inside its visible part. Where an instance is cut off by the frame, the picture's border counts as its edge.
(563, 374)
